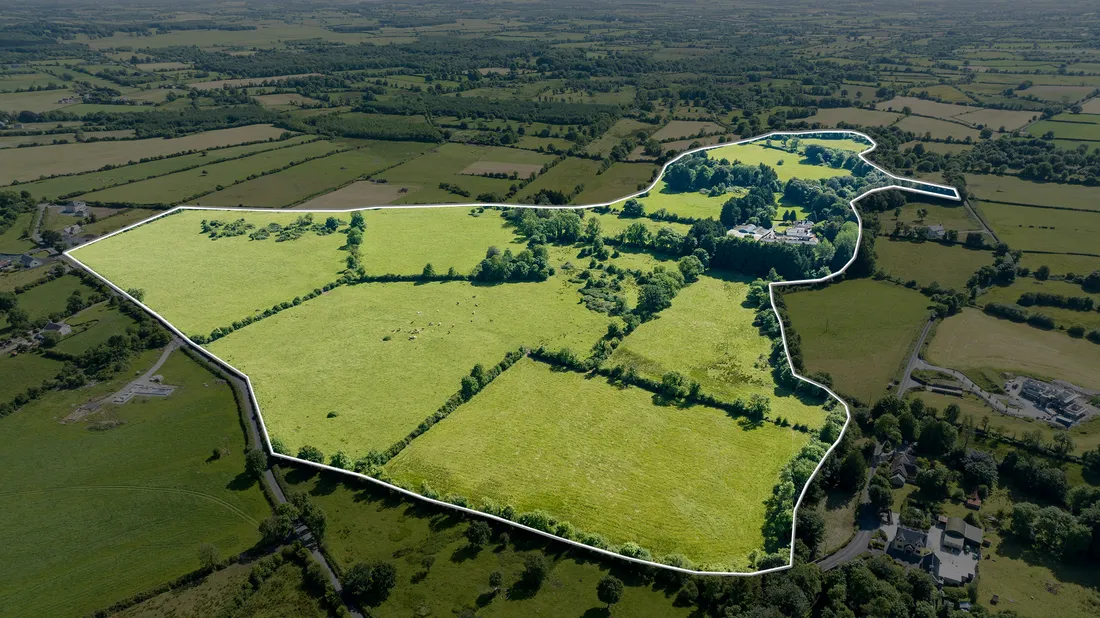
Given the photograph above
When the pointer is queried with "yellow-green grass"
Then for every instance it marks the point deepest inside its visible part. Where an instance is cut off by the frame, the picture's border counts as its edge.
(92, 327)
(926, 262)
(92, 181)
(366, 523)
(794, 166)
(1066, 130)
(939, 129)
(612, 223)
(686, 204)
(1034, 585)
(1042, 229)
(855, 144)
(403, 240)
(13, 279)
(302, 181)
(708, 336)
(608, 460)
(331, 354)
(1063, 317)
(1086, 436)
(866, 117)
(951, 215)
(618, 180)
(24, 371)
(973, 340)
(1061, 264)
(179, 186)
(32, 163)
(445, 163)
(1014, 190)
(136, 500)
(182, 271)
(11, 239)
(859, 331)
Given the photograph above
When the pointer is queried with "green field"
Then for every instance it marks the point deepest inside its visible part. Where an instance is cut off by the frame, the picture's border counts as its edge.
(618, 180)
(92, 181)
(366, 523)
(793, 166)
(135, 500)
(925, 262)
(11, 280)
(182, 269)
(1014, 190)
(1066, 130)
(377, 340)
(1061, 264)
(42, 300)
(1042, 229)
(173, 188)
(708, 336)
(975, 341)
(92, 327)
(24, 371)
(858, 331)
(952, 216)
(609, 461)
(1062, 317)
(305, 180)
(10, 239)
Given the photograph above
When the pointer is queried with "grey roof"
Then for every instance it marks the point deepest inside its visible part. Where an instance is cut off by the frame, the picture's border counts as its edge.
(972, 534)
(911, 536)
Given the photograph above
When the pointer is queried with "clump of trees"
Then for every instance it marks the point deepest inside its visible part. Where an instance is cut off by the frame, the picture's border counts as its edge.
(529, 265)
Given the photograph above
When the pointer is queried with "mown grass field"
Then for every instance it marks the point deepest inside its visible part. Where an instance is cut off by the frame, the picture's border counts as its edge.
(367, 523)
(92, 181)
(333, 354)
(1042, 229)
(939, 129)
(858, 331)
(707, 335)
(618, 180)
(177, 187)
(930, 261)
(136, 500)
(314, 177)
(686, 204)
(852, 115)
(972, 340)
(609, 461)
(181, 269)
(32, 163)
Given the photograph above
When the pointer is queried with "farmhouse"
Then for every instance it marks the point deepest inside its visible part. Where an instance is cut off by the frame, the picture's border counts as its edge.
(27, 261)
(909, 542)
(799, 233)
(902, 468)
(935, 232)
(75, 208)
(60, 328)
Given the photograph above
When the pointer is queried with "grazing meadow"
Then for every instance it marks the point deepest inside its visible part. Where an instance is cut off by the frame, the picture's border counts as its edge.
(927, 262)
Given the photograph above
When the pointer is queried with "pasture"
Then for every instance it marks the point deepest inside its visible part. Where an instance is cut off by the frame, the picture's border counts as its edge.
(1062, 317)
(927, 262)
(858, 331)
(708, 336)
(792, 166)
(391, 336)
(1014, 190)
(618, 180)
(853, 115)
(683, 129)
(313, 177)
(106, 504)
(180, 186)
(609, 461)
(973, 340)
(937, 129)
(1042, 229)
(446, 163)
(1061, 264)
(31, 163)
(24, 371)
(359, 194)
(92, 327)
(365, 523)
(12, 240)
(181, 269)
(951, 215)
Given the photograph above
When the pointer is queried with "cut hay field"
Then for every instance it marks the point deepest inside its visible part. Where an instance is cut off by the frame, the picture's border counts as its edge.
(314, 177)
(609, 461)
(994, 118)
(92, 181)
(136, 500)
(179, 186)
(1042, 229)
(926, 262)
(973, 340)
(31, 163)
(708, 335)
(858, 331)
(253, 81)
(180, 269)
(403, 350)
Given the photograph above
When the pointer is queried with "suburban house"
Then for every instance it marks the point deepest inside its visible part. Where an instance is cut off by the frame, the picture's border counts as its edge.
(909, 542)
(903, 467)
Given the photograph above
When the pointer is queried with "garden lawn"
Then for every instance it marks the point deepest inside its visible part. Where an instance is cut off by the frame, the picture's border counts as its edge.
(136, 500)
(180, 186)
(973, 340)
(950, 266)
(331, 354)
(858, 331)
(707, 335)
(31, 163)
(182, 270)
(314, 177)
(367, 523)
(606, 459)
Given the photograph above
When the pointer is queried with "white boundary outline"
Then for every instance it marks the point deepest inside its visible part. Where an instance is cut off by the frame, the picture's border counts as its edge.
(468, 511)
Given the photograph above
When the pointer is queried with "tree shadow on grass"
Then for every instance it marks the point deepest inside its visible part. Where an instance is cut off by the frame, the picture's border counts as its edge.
(296, 475)
(326, 484)
(241, 482)
(464, 553)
